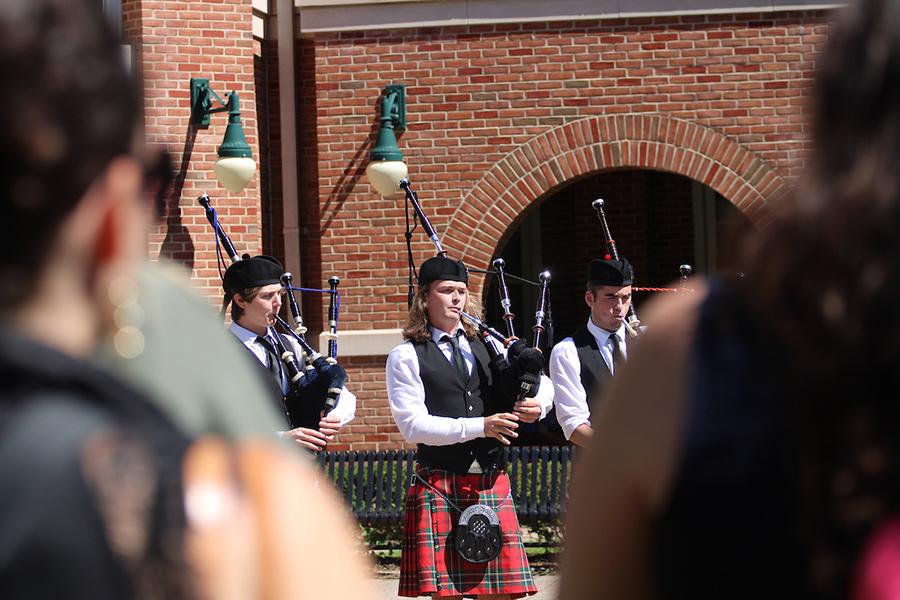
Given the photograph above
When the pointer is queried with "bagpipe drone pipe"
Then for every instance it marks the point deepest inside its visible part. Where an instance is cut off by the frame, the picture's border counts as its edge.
(316, 381)
(632, 323)
(519, 369)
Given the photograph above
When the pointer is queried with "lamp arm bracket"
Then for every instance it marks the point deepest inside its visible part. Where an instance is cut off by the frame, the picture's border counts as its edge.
(201, 104)
(209, 90)
(393, 105)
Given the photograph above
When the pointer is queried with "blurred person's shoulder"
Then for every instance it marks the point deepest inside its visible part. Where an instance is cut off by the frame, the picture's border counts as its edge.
(649, 394)
(87, 462)
(191, 366)
(666, 317)
(253, 509)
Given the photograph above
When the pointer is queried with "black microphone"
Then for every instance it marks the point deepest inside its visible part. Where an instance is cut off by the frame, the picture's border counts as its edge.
(529, 383)
(530, 364)
(514, 349)
(531, 360)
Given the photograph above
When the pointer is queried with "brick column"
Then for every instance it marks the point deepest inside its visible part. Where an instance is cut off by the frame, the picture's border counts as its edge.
(174, 41)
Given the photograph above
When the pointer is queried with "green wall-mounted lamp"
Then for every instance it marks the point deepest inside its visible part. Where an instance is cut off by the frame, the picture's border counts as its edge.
(235, 166)
(386, 167)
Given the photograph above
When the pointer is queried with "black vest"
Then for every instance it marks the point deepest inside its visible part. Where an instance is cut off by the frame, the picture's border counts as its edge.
(447, 396)
(594, 370)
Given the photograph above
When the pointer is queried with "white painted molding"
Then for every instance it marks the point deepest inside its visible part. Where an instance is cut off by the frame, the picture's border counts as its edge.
(366, 342)
(354, 15)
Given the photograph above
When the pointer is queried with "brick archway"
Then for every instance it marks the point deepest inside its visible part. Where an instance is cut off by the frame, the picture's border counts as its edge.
(552, 159)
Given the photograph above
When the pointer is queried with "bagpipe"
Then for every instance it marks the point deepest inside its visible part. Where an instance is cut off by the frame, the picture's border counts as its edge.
(632, 323)
(520, 368)
(315, 380)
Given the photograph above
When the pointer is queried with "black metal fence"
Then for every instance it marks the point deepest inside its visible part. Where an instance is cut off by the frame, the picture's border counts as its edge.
(374, 483)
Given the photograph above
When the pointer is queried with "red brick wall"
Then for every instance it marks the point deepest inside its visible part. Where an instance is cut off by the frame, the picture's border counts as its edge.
(175, 41)
(495, 124)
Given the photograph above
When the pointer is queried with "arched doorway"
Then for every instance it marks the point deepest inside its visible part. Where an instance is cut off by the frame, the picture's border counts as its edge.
(554, 160)
(659, 220)
(679, 173)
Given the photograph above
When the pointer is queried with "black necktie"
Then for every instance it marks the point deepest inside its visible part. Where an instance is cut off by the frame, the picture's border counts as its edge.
(457, 358)
(274, 363)
(617, 356)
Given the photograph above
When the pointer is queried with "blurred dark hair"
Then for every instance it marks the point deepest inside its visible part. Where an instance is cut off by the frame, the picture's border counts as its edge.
(825, 277)
(70, 107)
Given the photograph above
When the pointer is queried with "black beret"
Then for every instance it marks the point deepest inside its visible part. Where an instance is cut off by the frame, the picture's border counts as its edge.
(616, 273)
(252, 272)
(441, 268)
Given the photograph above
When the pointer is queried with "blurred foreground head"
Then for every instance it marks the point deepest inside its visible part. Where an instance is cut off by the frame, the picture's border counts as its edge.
(857, 105)
(827, 276)
(832, 265)
(67, 134)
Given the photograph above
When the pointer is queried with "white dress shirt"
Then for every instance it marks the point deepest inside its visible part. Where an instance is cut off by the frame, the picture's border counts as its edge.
(569, 396)
(406, 396)
(345, 409)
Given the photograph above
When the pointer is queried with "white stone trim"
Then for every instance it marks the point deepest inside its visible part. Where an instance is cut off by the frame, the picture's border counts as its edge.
(367, 342)
(354, 15)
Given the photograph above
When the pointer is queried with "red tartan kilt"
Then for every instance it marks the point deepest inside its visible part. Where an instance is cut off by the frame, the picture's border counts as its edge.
(430, 563)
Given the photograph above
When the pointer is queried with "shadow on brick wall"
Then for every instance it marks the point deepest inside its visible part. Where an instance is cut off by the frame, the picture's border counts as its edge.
(178, 244)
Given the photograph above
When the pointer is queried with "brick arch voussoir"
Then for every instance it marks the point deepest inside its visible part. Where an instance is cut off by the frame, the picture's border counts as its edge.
(548, 161)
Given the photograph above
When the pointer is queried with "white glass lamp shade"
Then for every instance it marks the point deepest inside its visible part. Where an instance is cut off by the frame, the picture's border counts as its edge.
(385, 175)
(235, 173)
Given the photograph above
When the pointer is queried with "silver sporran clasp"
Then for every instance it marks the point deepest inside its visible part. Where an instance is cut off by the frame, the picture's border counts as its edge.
(478, 537)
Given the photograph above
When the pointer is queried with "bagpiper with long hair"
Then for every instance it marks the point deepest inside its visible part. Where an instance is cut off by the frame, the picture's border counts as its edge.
(461, 535)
